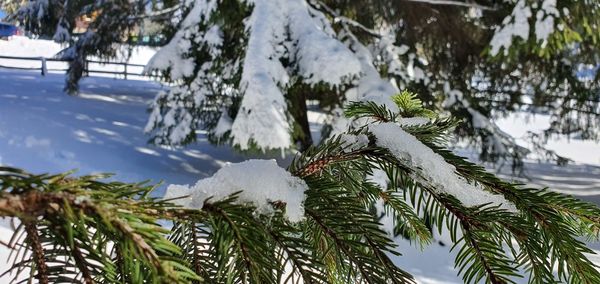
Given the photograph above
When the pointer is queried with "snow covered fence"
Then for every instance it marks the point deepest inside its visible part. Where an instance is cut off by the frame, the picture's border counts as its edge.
(116, 69)
(43, 67)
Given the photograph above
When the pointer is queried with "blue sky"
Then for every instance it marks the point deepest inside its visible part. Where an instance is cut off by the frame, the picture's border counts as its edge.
(1, 14)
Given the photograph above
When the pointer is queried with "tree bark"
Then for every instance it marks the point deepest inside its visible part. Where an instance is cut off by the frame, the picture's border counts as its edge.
(298, 109)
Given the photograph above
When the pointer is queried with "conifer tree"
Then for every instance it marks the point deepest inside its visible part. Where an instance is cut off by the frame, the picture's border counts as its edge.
(321, 220)
(474, 59)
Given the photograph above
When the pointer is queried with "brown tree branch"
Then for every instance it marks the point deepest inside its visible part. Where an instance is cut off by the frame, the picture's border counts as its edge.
(38, 252)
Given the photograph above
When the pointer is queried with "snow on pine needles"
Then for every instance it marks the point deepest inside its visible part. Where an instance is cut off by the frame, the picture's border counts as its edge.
(259, 182)
(431, 169)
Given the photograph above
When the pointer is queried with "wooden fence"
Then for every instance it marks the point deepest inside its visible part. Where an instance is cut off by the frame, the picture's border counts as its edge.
(125, 69)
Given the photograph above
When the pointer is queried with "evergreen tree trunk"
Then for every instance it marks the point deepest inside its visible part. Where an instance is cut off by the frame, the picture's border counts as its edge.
(298, 108)
(77, 67)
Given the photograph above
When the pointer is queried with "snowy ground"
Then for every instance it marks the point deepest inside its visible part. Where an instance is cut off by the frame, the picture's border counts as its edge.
(42, 129)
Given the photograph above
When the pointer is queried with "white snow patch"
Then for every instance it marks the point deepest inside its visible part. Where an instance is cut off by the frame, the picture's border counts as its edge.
(544, 24)
(223, 125)
(520, 124)
(24, 46)
(515, 25)
(260, 182)
(432, 169)
(370, 87)
(262, 115)
(284, 29)
(173, 56)
(321, 58)
(352, 142)
(414, 121)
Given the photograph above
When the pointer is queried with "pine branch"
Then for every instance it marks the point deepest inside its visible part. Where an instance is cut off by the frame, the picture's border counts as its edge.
(79, 224)
(80, 261)
(412, 224)
(453, 3)
(353, 232)
(196, 241)
(38, 252)
(370, 110)
(568, 250)
(299, 253)
(246, 241)
(542, 205)
(321, 6)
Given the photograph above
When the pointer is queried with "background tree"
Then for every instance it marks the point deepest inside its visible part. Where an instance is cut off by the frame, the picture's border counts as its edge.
(110, 26)
(476, 60)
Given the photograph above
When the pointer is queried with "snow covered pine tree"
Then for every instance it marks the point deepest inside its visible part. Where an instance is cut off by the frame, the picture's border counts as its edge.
(477, 60)
(243, 70)
(325, 219)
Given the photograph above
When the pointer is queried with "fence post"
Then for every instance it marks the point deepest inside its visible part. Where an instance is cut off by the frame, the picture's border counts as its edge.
(44, 67)
(125, 70)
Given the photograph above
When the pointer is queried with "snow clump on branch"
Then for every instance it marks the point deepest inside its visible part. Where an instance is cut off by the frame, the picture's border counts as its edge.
(431, 169)
(259, 182)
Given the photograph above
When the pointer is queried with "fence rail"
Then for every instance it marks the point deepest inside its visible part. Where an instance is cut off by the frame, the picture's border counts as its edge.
(125, 66)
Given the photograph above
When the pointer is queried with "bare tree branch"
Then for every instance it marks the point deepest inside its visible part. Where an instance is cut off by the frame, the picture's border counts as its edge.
(453, 3)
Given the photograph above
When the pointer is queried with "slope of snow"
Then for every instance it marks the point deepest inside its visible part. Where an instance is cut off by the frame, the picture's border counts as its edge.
(43, 129)
(580, 151)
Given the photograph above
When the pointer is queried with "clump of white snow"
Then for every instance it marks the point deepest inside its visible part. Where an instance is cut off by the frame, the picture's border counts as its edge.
(544, 24)
(515, 25)
(414, 121)
(370, 87)
(321, 57)
(260, 182)
(262, 115)
(283, 29)
(352, 142)
(431, 168)
(173, 55)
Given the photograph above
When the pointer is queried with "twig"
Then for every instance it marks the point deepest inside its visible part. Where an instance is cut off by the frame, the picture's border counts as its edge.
(453, 3)
(38, 252)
